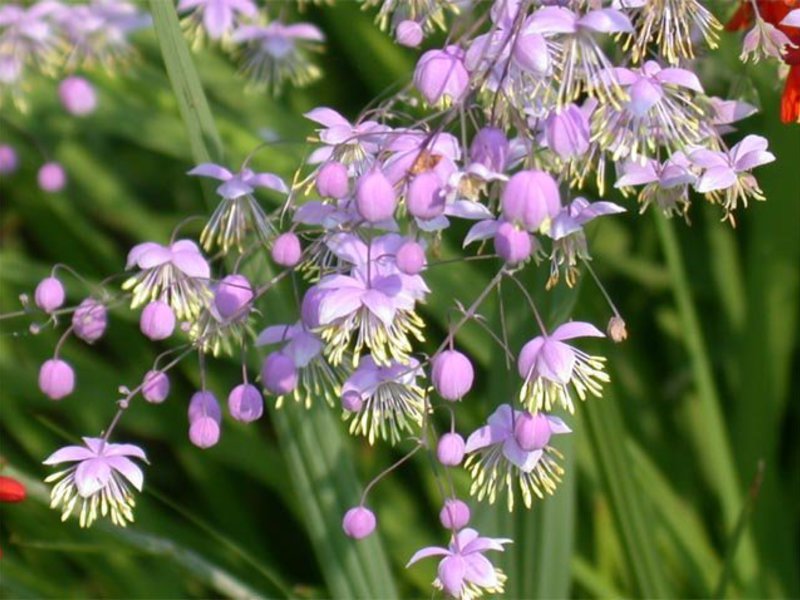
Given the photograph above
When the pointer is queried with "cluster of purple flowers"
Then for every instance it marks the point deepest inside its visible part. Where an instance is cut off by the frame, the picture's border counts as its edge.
(525, 109)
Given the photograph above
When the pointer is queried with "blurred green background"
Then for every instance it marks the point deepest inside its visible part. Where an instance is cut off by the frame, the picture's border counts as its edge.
(663, 496)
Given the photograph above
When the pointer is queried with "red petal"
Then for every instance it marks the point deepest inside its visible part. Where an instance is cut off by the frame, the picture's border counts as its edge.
(11, 490)
(741, 19)
(790, 101)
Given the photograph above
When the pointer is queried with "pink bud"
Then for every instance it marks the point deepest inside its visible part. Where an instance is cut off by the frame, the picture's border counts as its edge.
(409, 33)
(358, 522)
(452, 375)
(530, 197)
(375, 197)
(52, 177)
(511, 244)
(156, 387)
(245, 403)
(89, 320)
(204, 432)
(352, 401)
(56, 379)
(425, 199)
(286, 250)
(77, 96)
(8, 159)
(332, 180)
(455, 514)
(204, 405)
(232, 295)
(49, 294)
(279, 374)
(440, 75)
(157, 321)
(410, 258)
(450, 450)
(490, 148)
(532, 432)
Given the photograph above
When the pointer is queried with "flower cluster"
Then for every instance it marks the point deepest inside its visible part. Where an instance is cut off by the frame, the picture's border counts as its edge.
(533, 113)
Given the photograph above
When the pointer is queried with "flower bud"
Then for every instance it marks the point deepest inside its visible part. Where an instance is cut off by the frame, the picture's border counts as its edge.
(245, 403)
(8, 159)
(156, 387)
(204, 432)
(232, 295)
(425, 199)
(52, 177)
(358, 522)
(452, 375)
(157, 321)
(77, 96)
(56, 379)
(532, 432)
(410, 258)
(490, 148)
(352, 401)
(408, 33)
(440, 75)
(333, 180)
(454, 514)
(11, 490)
(286, 250)
(450, 450)
(204, 404)
(511, 244)
(375, 197)
(49, 294)
(309, 308)
(617, 330)
(530, 197)
(89, 320)
(279, 374)
(530, 53)
(567, 132)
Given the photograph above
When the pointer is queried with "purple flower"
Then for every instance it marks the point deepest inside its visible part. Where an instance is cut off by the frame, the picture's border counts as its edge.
(49, 294)
(491, 148)
(450, 449)
(245, 403)
(157, 321)
(56, 379)
(512, 244)
(411, 258)
(8, 159)
(219, 17)
(375, 197)
(239, 211)
(409, 33)
(177, 274)
(531, 198)
(358, 522)
(497, 459)
(452, 374)
(332, 180)
(549, 366)
(392, 400)
(279, 374)
(155, 387)
(425, 198)
(233, 298)
(99, 481)
(441, 76)
(77, 96)
(89, 320)
(465, 572)
(567, 131)
(454, 514)
(51, 177)
(286, 250)
(348, 143)
(665, 184)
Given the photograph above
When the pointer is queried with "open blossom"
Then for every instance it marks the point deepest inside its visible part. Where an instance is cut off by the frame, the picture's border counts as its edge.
(392, 401)
(464, 572)
(218, 17)
(375, 302)
(277, 52)
(238, 212)
(501, 460)
(549, 368)
(665, 184)
(351, 144)
(98, 482)
(177, 274)
(764, 40)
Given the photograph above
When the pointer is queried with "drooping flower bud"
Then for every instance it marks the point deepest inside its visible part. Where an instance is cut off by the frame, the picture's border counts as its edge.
(332, 180)
(358, 522)
(440, 75)
(616, 329)
(530, 197)
(245, 403)
(204, 432)
(309, 308)
(77, 96)
(450, 449)
(513, 245)
(156, 387)
(375, 197)
(279, 374)
(425, 199)
(532, 432)
(567, 132)
(51, 177)
(204, 404)
(89, 320)
(352, 401)
(410, 258)
(286, 250)
(8, 159)
(490, 148)
(530, 53)
(233, 294)
(408, 33)
(454, 514)
(157, 321)
(452, 375)
(49, 294)
(56, 379)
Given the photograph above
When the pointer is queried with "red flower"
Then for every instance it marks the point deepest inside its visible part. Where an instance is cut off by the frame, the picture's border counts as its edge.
(11, 490)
